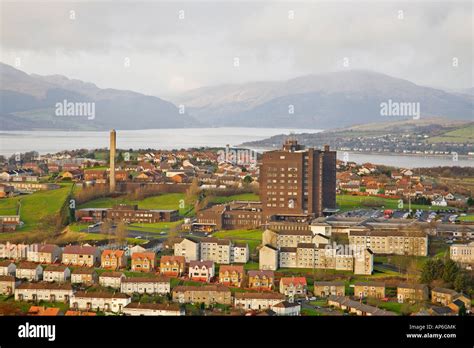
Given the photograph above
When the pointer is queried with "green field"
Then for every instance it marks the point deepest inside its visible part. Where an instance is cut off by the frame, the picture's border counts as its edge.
(239, 234)
(469, 217)
(349, 202)
(461, 135)
(239, 197)
(164, 201)
(36, 207)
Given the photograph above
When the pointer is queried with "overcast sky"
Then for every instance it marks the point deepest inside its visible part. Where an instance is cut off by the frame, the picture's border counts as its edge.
(415, 40)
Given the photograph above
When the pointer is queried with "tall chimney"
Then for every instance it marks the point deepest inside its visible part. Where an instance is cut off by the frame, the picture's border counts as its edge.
(112, 159)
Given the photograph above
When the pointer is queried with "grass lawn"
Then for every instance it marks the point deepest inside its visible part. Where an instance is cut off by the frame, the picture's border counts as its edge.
(239, 197)
(36, 207)
(310, 312)
(239, 234)
(164, 201)
(154, 227)
(467, 218)
(349, 202)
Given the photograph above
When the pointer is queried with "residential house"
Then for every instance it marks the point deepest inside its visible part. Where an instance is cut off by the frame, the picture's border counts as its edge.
(356, 307)
(143, 261)
(44, 291)
(261, 280)
(287, 308)
(369, 289)
(149, 285)
(462, 253)
(445, 297)
(99, 301)
(81, 255)
(113, 259)
(412, 292)
(201, 270)
(84, 275)
(268, 258)
(7, 268)
(153, 309)
(257, 300)
(293, 286)
(231, 275)
(325, 289)
(44, 253)
(240, 253)
(172, 266)
(207, 294)
(56, 273)
(187, 247)
(7, 284)
(111, 279)
(30, 271)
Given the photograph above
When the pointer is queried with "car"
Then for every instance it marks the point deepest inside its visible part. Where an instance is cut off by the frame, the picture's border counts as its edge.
(312, 298)
(162, 232)
(138, 237)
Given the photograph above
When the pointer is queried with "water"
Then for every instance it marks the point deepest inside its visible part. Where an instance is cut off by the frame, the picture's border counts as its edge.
(53, 141)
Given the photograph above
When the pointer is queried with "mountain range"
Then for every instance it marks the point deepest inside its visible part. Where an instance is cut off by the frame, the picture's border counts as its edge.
(323, 101)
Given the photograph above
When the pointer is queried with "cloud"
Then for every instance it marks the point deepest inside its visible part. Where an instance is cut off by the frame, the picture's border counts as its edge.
(169, 54)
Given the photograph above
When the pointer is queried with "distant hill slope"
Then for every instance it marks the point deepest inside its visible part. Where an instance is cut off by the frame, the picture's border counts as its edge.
(28, 102)
(325, 101)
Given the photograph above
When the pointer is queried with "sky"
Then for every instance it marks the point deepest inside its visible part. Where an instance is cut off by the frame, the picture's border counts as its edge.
(164, 48)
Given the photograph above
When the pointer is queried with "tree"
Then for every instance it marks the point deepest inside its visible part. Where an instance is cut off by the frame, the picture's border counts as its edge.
(121, 232)
(248, 179)
(192, 193)
(460, 282)
(106, 227)
(450, 271)
(470, 202)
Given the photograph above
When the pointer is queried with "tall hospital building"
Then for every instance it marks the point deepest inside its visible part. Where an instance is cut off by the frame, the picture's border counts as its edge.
(296, 181)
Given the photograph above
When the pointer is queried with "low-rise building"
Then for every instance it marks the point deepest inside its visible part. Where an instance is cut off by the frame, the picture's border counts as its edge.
(201, 270)
(462, 253)
(217, 250)
(356, 307)
(293, 286)
(30, 271)
(261, 280)
(268, 258)
(412, 292)
(257, 300)
(44, 253)
(445, 297)
(81, 255)
(113, 259)
(84, 275)
(143, 261)
(287, 308)
(41, 311)
(7, 268)
(231, 275)
(146, 285)
(240, 253)
(369, 289)
(153, 309)
(111, 279)
(172, 266)
(7, 285)
(57, 273)
(44, 291)
(187, 247)
(99, 301)
(325, 289)
(208, 294)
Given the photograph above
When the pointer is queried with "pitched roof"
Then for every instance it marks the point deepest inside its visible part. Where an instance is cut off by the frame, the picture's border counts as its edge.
(55, 268)
(217, 288)
(6, 263)
(84, 270)
(47, 248)
(117, 253)
(260, 273)
(27, 265)
(172, 258)
(154, 306)
(146, 280)
(215, 240)
(86, 294)
(232, 268)
(45, 286)
(379, 284)
(293, 280)
(111, 275)
(7, 278)
(144, 255)
(79, 249)
(207, 264)
(322, 283)
(259, 295)
(43, 311)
